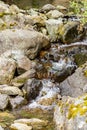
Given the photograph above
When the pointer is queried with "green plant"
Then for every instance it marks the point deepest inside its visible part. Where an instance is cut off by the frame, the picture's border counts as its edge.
(79, 8)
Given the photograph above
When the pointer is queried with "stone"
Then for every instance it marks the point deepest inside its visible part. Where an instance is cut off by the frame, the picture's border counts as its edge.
(47, 8)
(74, 85)
(21, 79)
(34, 122)
(14, 9)
(30, 42)
(4, 99)
(61, 8)
(54, 14)
(7, 70)
(72, 31)
(17, 102)
(32, 88)
(20, 126)
(70, 113)
(10, 90)
(1, 128)
(53, 26)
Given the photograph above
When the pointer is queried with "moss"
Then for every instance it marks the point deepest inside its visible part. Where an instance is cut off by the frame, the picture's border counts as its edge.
(80, 109)
(80, 58)
(85, 73)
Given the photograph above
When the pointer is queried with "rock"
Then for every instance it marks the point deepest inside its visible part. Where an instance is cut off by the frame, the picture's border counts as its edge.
(20, 80)
(71, 32)
(17, 102)
(39, 20)
(20, 126)
(14, 9)
(7, 70)
(30, 42)
(1, 128)
(54, 14)
(32, 88)
(74, 85)
(47, 8)
(22, 62)
(4, 8)
(71, 113)
(4, 99)
(61, 8)
(53, 26)
(10, 90)
(34, 122)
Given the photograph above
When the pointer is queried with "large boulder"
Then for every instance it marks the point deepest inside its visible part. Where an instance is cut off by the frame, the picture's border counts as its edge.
(74, 85)
(30, 42)
(71, 113)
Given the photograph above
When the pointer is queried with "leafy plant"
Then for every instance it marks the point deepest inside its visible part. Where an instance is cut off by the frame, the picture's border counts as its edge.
(79, 7)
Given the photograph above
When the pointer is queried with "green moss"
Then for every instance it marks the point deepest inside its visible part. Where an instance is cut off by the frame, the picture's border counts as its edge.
(85, 73)
(80, 58)
(80, 109)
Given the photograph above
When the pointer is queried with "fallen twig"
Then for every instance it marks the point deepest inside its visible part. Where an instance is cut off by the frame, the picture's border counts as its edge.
(72, 45)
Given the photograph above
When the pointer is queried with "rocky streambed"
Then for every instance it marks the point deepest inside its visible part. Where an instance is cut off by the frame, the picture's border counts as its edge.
(43, 69)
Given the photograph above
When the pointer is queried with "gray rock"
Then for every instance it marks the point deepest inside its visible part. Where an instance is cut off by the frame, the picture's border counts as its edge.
(7, 70)
(10, 90)
(17, 102)
(4, 99)
(47, 8)
(74, 85)
(53, 26)
(30, 42)
(32, 88)
(20, 80)
(54, 14)
(71, 113)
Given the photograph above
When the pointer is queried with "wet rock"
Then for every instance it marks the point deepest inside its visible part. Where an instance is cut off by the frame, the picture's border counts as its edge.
(74, 85)
(4, 99)
(47, 8)
(17, 102)
(10, 90)
(20, 80)
(70, 113)
(71, 32)
(54, 14)
(1, 128)
(53, 26)
(34, 122)
(32, 88)
(20, 126)
(30, 42)
(7, 70)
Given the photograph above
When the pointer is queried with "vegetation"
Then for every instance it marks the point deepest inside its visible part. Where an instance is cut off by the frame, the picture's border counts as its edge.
(79, 7)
